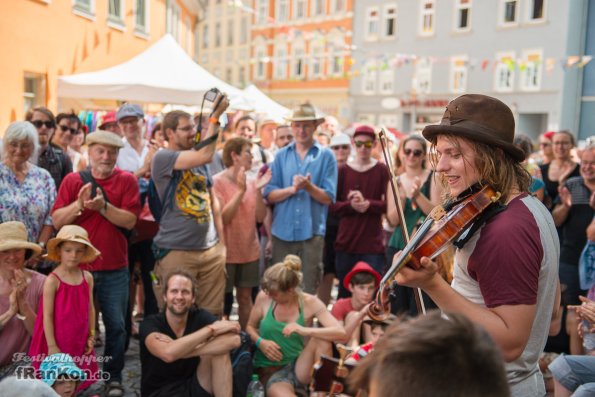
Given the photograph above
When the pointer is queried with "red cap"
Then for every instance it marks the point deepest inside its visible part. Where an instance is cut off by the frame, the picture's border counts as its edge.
(360, 267)
(549, 135)
(364, 130)
(110, 117)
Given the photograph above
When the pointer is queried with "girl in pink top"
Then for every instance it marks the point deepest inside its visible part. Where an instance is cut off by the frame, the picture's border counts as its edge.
(68, 321)
(242, 207)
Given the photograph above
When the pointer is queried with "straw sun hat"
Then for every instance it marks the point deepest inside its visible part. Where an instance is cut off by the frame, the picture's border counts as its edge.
(75, 234)
(13, 235)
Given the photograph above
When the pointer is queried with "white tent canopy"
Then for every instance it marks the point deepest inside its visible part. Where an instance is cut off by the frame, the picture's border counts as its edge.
(265, 105)
(163, 73)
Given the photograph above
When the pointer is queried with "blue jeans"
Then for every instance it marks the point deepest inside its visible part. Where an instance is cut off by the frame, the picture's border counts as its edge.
(575, 373)
(346, 261)
(111, 289)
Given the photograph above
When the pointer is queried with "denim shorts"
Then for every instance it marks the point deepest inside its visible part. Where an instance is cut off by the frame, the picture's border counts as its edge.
(287, 375)
(573, 371)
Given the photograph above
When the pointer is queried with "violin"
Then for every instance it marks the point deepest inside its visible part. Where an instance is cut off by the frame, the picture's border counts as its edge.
(434, 235)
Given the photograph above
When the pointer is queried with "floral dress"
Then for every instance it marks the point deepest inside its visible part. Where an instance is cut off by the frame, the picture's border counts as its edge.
(29, 201)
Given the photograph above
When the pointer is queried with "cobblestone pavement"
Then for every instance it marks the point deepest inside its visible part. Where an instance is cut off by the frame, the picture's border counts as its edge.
(130, 375)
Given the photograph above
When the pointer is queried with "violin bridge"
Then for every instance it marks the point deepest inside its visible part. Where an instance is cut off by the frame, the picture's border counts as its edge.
(437, 213)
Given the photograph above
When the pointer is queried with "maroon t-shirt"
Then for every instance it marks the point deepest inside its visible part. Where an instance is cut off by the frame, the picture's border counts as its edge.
(504, 259)
(361, 233)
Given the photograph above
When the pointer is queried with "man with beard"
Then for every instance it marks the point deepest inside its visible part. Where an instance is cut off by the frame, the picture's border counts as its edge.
(182, 347)
(190, 233)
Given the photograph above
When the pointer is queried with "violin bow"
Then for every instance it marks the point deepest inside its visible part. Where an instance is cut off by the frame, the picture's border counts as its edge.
(394, 184)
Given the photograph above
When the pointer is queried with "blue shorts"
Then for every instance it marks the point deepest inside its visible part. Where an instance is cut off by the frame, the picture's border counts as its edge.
(575, 373)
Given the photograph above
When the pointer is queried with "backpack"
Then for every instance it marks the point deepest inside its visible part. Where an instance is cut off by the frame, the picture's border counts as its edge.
(87, 177)
(155, 205)
(241, 365)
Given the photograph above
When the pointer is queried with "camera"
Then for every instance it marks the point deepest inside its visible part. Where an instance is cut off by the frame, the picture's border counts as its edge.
(212, 94)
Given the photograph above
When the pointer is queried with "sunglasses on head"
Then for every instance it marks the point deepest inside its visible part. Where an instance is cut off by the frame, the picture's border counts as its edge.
(366, 144)
(65, 128)
(416, 152)
(344, 147)
(48, 124)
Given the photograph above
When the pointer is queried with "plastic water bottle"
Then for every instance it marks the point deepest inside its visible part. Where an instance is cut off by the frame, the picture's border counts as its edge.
(255, 388)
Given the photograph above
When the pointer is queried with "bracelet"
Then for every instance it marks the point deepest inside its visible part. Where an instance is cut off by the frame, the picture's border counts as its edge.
(213, 120)
(258, 342)
(92, 333)
(20, 316)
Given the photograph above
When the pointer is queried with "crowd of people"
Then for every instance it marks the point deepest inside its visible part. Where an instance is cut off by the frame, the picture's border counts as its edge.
(169, 226)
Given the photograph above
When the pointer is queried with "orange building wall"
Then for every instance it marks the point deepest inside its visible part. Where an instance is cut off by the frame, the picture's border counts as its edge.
(50, 39)
(331, 91)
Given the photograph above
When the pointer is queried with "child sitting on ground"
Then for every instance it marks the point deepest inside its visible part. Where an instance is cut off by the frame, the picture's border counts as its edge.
(361, 281)
(377, 329)
(61, 373)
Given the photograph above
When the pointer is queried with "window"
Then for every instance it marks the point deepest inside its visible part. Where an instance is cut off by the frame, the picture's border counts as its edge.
(242, 76)
(366, 118)
(319, 7)
(282, 12)
(262, 11)
(243, 30)
(369, 79)
(115, 11)
(389, 25)
(173, 19)
(316, 59)
(422, 80)
(463, 15)
(230, 27)
(34, 90)
(504, 74)
(338, 6)
(229, 75)
(536, 10)
(188, 27)
(531, 70)
(84, 7)
(281, 59)
(205, 36)
(140, 16)
(388, 120)
(298, 59)
(260, 62)
(336, 52)
(217, 34)
(372, 21)
(458, 74)
(426, 27)
(508, 12)
(300, 10)
(387, 81)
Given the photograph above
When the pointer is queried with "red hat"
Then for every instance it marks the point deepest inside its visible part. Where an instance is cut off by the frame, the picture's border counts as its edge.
(364, 130)
(109, 117)
(549, 135)
(360, 267)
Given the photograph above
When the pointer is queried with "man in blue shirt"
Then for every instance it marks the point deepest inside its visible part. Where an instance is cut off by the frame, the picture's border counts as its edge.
(304, 184)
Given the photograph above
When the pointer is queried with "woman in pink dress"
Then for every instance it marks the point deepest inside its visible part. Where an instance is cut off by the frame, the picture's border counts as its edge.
(68, 321)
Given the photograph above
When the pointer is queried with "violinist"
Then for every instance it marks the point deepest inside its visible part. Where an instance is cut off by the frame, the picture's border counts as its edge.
(506, 263)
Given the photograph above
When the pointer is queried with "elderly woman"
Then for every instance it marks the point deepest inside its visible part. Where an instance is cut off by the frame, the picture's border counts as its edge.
(27, 192)
(20, 292)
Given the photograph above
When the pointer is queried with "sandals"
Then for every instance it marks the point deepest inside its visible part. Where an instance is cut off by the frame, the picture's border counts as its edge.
(114, 389)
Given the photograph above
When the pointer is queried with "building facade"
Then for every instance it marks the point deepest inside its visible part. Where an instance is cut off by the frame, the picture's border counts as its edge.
(301, 51)
(223, 35)
(44, 39)
(413, 56)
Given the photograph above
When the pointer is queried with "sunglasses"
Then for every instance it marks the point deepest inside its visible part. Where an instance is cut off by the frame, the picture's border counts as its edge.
(66, 128)
(366, 144)
(344, 147)
(416, 152)
(48, 124)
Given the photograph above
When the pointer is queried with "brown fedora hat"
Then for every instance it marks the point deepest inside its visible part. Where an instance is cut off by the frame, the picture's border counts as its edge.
(478, 118)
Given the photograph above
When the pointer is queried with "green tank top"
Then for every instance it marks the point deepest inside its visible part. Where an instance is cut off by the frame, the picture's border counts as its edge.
(412, 217)
(271, 329)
